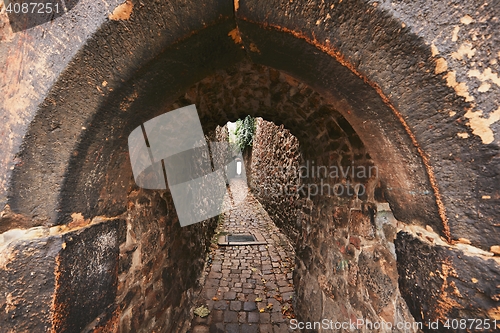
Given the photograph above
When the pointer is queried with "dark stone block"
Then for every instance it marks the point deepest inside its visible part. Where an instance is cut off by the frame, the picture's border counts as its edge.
(378, 272)
(230, 316)
(87, 275)
(253, 317)
(235, 305)
(249, 306)
(232, 328)
(248, 328)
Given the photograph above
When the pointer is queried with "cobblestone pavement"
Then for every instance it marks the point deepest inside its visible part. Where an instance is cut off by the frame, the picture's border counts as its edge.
(247, 289)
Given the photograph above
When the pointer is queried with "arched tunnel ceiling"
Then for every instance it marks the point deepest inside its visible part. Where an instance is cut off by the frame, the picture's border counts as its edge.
(378, 74)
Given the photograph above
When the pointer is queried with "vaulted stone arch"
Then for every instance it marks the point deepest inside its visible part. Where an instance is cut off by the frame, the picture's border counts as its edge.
(382, 66)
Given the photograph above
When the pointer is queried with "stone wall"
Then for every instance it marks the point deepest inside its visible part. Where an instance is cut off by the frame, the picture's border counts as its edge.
(159, 265)
(275, 162)
(61, 278)
(136, 272)
(346, 262)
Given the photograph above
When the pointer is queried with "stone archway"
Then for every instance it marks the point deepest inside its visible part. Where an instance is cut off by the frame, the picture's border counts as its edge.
(406, 101)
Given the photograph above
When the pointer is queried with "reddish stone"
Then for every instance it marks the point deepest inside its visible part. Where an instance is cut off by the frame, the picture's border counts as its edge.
(355, 241)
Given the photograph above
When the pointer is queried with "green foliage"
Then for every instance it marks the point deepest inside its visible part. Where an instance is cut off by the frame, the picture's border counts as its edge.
(244, 132)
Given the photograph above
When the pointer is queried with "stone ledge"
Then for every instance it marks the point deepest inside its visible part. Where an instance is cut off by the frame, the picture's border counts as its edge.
(441, 282)
(48, 276)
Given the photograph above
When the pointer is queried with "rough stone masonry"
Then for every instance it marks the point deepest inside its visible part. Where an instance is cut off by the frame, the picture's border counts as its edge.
(416, 81)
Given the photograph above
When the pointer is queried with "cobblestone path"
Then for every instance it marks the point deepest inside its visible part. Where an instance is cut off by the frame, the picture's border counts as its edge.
(247, 289)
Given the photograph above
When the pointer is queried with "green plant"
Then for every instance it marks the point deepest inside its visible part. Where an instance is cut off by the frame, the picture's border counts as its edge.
(244, 132)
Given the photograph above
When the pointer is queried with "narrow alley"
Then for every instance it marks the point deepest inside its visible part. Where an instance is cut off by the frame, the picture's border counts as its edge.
(247, 288)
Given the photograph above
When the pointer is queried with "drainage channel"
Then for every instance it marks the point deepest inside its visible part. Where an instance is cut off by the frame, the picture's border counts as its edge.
(239, 239)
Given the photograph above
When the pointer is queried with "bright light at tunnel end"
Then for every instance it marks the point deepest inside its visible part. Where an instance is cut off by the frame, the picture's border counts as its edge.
(238, 168)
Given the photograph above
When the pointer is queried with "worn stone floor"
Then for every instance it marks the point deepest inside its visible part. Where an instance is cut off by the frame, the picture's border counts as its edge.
(247, 289)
